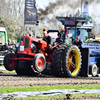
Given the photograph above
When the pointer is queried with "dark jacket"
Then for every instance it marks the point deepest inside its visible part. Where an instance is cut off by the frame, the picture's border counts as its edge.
(48, 40)
(58, 40)
(79, 44)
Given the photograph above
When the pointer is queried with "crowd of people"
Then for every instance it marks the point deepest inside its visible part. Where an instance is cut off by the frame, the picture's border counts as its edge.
(9, 44)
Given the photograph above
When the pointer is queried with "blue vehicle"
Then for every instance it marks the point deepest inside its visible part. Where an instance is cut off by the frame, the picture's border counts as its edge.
(90, 51)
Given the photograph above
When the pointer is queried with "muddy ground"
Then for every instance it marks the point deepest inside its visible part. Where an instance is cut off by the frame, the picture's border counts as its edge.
(12, 80)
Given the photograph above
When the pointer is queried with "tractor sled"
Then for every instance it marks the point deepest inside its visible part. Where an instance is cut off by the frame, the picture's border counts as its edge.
(31, 58)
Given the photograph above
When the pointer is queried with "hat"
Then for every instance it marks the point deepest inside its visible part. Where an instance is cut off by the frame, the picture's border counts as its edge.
(44, 29)
(63, 29)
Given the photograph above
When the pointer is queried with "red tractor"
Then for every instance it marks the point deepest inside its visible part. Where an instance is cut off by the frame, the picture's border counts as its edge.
(31, 58)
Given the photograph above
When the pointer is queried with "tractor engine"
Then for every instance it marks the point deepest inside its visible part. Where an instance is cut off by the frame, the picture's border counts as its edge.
(31, 46)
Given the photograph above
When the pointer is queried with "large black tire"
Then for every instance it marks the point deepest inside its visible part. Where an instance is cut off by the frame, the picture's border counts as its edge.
(98, 66)
(71, 61)
(25, 71)
(39, 62)
(93, 70)
(56, 60)
(9, 63)
(19, 71)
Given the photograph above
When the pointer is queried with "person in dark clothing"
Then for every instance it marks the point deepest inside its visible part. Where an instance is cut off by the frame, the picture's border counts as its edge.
(58, 39)
(47, 38)
(61, 36)
(5, 47)
(78, 42)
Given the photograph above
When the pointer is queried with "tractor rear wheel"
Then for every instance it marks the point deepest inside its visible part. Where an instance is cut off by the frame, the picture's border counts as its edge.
(9, 62)
(71, 61)
(26, 70)
(56, 60)
(19, 71)
(39, 62)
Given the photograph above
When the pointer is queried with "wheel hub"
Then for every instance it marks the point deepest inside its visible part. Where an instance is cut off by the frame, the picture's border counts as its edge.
(40, 62)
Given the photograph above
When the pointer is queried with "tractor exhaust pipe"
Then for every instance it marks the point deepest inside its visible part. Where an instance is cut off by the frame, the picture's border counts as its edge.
(35, 31)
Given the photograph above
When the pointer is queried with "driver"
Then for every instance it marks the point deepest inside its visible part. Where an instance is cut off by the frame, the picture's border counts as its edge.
(47, 38)
(58, 39)
(78, 42)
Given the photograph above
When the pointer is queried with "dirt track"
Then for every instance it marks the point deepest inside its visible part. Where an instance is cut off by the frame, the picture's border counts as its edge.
(12, 80)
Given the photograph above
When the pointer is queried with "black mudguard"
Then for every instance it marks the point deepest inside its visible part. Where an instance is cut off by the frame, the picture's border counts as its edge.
(85, 62)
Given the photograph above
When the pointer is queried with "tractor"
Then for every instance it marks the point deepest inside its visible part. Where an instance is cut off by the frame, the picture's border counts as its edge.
(90, 51)
(31, 58)
(4, 48)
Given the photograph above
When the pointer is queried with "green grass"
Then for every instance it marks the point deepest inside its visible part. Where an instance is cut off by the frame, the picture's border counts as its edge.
(6, 71)
(5, 90)
(46, 88)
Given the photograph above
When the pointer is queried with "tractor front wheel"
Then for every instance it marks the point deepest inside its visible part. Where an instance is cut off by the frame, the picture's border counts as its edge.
(39, 62)
(9, 62)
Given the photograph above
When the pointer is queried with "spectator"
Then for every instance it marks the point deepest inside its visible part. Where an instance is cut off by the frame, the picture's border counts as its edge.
(13, 42)
(9, 42)
(78, 42)
(6, 46)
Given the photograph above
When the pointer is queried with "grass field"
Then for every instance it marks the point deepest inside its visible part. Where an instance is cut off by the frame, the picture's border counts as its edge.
(5, 90)
(46, 88)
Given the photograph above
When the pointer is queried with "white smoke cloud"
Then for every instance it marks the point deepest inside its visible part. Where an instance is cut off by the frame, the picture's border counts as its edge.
(66, 7)
(95, 13)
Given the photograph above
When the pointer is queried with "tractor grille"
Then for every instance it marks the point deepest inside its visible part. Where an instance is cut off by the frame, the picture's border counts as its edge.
(26, 42)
